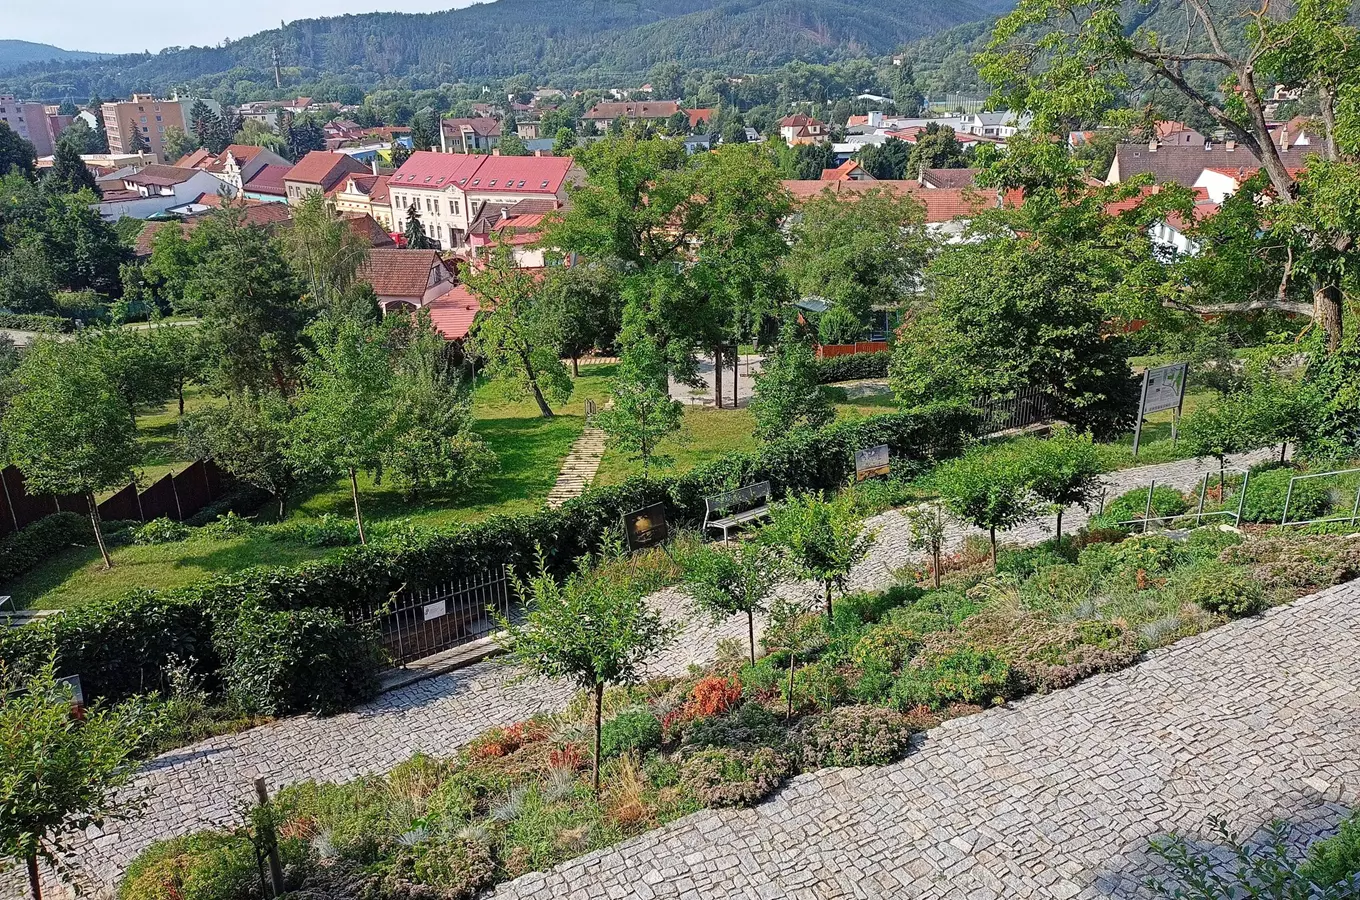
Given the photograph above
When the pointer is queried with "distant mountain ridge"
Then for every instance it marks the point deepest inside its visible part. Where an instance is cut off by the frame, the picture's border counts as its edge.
(541, 38)
(14, 54)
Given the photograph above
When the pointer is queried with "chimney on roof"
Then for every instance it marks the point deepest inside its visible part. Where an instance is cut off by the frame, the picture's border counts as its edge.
(375, 164)
(1230, 145)
(1152, 145)
(1208, 144)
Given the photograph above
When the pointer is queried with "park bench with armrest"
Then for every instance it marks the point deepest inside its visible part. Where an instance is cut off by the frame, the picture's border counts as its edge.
(735, 509)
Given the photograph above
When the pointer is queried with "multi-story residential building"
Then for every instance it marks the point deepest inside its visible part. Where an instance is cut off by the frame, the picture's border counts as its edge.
(318, 173)
(803, 129)
(650, 111)
(29, 121)
(452, 190)
(155, 189)
(364, 194)
(146, 116)
(236, 165)
(471, 135)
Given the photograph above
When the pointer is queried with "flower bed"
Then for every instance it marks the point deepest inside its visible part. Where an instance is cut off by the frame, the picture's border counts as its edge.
(519, 799)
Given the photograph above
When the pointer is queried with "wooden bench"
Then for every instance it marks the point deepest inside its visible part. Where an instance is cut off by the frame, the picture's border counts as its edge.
(735, 509)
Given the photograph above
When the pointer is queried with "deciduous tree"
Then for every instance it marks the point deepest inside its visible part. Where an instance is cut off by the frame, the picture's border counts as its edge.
(727, 580)
(787, 395)
(819, 538)
(987, 488)
(641, 412)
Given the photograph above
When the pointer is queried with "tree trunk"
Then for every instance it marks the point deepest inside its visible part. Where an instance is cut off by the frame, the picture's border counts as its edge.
(751, 630)
(1284, 449)
(543, 407)
(34, 881)
(828, 603)
(180, 392)
(599, 716)
(358, 516)
(992, 531)
(717, 378)
(283, 506)
(1327, 303)
(1059, 530)
(98, 529)
(935, 565)
(1222, 486)
(788, 713)
(575, 365)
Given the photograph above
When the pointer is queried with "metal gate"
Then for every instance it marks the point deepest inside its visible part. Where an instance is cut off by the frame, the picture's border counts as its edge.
(420, 623)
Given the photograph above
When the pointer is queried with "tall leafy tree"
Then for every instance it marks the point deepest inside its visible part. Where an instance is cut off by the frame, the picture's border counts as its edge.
(15, 152)
(819, 538)
(586, 301)
(593, 628)
(325, 250)
(937, 148)
(59, 773)
(517, 333)
(248, 437)
(988, 488)
(787, 395)
(641, 412)
(178, 143)
(888, 160)
(182, 354)
(69, 173)
(134, 365)
(1063, 470)
(67, 429)
(346, 420)
(1066, 60)
(244, 291)
(729, 581)
(859, 251)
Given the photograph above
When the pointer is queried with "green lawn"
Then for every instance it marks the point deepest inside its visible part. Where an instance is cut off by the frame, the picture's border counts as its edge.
(530, 450)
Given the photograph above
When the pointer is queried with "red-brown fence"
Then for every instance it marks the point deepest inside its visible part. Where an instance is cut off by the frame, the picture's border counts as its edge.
(828, 350)
(173, 496)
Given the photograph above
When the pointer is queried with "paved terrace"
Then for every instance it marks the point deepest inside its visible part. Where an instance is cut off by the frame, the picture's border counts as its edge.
(202, 785)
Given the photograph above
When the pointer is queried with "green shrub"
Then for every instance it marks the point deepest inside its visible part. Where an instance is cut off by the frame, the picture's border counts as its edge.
(633, 729)
(745, 728)
(1146, 553)
(209, 865)
(227, 525)
(1130, 506)
(853, 736)
(853, 366)
(1228, 591)
(964, 675)
(459, 868)
(160, 531)
(725, 777)
(325, 530)
(1058, 588)
(36, 322)
(293, 661)
(1336, 859)
(1025, 562)
(1266, 493)
(241, 498)
(1206, 543)
(854, 611)
(33, 545)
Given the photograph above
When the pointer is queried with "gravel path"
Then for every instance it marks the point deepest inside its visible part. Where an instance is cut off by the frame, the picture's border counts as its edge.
(202, 785)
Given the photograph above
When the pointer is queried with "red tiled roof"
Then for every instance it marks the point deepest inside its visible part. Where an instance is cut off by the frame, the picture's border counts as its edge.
(160, 176)
(482, 125)
(655, 109)
(196, 160)
(489, 174)
(257, 211)
(141, 247)
(325, 169)
(856, 120)
(700, 115)
(244, 153)
(399, 273)
(368, 228)
(118, 195)
(951, 178)
(941, 205)
(842, 172)
(269, 180)
(364, 184)
(453, 313)
(802, 190)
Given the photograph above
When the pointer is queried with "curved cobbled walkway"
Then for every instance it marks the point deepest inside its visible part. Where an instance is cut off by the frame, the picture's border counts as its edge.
(204, 784)
(1055, 797)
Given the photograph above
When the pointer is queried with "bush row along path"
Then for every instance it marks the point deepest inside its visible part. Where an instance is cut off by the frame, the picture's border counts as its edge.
(204, 784)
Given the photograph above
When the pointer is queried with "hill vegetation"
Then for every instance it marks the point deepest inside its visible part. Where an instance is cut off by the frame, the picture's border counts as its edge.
(14, 54)
(562, 40)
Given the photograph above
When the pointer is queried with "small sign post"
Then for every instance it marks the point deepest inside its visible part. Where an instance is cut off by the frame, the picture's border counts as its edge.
(1163, 389)
(872, 461)
(77, 696)
(646, 527)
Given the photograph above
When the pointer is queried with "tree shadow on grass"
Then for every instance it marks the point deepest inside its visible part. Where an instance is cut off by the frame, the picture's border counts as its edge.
(1314, 819)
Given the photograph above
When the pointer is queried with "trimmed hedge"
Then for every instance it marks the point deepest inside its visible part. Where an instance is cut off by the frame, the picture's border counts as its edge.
(121, 648)
(32, 545)
(853, 366)
(36, 322)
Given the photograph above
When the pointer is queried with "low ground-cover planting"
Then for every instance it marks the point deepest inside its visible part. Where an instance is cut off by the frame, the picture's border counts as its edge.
(883, 667)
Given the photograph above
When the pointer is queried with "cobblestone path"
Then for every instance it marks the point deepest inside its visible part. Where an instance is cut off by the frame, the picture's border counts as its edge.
(202, 785)
(1054, 797)
(579, 467)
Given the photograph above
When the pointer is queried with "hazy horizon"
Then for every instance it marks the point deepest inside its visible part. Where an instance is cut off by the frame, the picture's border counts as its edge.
(159, 23)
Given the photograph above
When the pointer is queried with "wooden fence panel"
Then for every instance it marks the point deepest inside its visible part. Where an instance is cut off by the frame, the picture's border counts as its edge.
(191, 487)
(159, 501)
(122, 505)
(825, 351)
(26, 508)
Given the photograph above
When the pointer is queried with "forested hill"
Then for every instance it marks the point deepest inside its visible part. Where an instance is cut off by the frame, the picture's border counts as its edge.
(570, 40)
(14, 54)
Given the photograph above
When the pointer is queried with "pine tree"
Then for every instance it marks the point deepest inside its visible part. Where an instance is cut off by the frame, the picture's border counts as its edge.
(416, 238)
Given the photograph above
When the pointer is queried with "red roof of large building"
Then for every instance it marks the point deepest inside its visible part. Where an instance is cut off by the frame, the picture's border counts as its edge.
(325, 169)
(483, 174)
(654, 109)
(269, 180)
(482, 125)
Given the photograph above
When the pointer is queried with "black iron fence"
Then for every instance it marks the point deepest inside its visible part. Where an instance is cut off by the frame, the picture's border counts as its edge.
(1027, 406)
(419, 623)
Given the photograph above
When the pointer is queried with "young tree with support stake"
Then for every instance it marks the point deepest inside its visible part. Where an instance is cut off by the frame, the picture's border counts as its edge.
(819, 538)
(58, 771)
(988, 489)
(1064, 470)
(593, 628)
(725, 582)
(68, 430)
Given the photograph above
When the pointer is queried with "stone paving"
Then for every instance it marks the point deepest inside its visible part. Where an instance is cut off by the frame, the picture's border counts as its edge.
(579, 467)
(1054, 797)
(202, 785)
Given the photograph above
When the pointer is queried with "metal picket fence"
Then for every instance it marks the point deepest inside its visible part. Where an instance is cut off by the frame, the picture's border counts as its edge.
(1289, 497)
(1150, 517)
(417, 623)
(1027, 406)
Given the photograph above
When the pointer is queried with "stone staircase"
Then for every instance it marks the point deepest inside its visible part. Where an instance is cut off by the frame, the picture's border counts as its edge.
(579, 467)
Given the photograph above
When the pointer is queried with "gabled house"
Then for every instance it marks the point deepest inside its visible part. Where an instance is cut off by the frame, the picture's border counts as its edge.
(649, 111)
(936, 179)
(267, 185)
(239, 163)
(317, 173)
(364, 195)
(802, 129)
(847, 171)
(469, 135)
(407, 279)
(155, 189)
